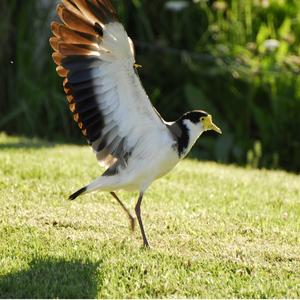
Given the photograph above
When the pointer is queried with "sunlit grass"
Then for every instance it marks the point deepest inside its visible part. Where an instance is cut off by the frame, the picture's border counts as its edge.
(215, 231)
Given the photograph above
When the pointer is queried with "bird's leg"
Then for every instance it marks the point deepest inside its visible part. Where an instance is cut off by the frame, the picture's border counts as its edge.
(138, 214)
(131, 218)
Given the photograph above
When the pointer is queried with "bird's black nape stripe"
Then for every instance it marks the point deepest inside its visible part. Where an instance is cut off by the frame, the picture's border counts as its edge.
(78, 193)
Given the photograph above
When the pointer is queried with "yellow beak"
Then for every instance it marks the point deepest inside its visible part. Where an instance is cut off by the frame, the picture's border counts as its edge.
(209, 125)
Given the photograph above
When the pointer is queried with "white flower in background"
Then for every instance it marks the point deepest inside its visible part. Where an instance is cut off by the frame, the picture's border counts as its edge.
(271, 44)
(265, 3)
(220, 6)
(176, 5)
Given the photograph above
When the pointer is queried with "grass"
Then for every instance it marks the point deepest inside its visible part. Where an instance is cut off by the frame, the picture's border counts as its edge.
(215, 231)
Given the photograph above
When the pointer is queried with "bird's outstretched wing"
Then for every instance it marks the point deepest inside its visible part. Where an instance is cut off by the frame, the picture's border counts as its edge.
(96, 58)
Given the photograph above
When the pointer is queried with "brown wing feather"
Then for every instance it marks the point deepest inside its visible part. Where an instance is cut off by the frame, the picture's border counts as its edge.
(57, 58)
(71, 36)
(79, 34)
(107, 4)
(75, 49)
(62, 72)
(91, 10)
(71, 6)
(54, 43)
(66, 86)
(86, 9)
(74, 21)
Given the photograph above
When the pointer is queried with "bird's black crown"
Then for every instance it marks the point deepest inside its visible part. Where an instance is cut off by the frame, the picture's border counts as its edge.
(194, 116)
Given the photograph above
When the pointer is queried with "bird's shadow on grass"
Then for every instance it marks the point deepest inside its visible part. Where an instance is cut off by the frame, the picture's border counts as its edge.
(52, 278)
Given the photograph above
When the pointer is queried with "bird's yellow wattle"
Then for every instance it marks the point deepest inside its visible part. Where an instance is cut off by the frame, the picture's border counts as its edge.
(209, 125)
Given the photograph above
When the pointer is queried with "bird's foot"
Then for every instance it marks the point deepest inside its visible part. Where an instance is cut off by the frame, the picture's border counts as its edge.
(146, 244)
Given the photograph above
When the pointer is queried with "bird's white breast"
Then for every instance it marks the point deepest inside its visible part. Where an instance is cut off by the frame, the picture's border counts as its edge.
(152, 158)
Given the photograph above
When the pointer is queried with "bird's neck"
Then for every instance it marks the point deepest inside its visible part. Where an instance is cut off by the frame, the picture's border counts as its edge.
(185, 134)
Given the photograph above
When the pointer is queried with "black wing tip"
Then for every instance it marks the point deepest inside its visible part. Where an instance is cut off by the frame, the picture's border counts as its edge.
(78, 193)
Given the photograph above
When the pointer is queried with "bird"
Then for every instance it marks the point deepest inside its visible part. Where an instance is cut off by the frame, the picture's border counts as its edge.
(96, 58)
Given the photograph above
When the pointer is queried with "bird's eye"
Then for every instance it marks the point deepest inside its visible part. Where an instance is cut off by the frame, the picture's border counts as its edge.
(202, 119)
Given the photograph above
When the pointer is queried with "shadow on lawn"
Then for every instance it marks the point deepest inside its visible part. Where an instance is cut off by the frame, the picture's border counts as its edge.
(51, 278)
(24, 142)
(25, 145)
(37, 144)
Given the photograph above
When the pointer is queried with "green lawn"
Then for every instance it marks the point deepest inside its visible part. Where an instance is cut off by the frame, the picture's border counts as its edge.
(215, 231)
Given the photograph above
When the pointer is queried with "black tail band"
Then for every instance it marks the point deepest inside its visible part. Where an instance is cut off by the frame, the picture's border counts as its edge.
(78, 193)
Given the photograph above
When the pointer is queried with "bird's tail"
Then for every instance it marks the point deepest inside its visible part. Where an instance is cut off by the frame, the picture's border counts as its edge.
(78, 193)
(104, 183)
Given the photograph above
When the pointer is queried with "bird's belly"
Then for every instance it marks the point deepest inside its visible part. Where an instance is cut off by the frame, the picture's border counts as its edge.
(145, 171)
(165, 165)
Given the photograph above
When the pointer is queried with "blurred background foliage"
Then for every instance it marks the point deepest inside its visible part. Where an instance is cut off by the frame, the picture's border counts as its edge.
(237, 59)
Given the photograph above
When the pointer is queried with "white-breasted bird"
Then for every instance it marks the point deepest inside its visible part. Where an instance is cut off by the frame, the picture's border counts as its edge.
(96, 57)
